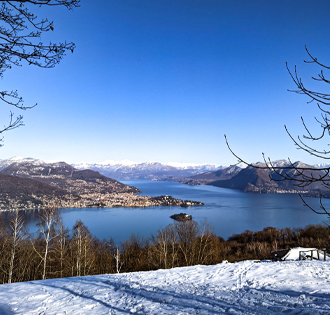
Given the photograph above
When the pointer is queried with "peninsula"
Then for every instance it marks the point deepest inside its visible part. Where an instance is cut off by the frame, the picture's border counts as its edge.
(33, 184)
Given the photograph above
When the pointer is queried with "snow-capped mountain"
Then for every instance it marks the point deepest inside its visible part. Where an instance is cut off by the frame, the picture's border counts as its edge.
(126, 169)
(322, 165)
(19, 159)
(106, 164)
(147, 170)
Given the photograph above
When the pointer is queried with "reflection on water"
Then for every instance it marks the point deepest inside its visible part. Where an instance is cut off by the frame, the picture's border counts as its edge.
(229, 211)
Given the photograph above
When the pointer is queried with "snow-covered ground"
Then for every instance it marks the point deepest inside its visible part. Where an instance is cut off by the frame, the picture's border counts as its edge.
(297, 287)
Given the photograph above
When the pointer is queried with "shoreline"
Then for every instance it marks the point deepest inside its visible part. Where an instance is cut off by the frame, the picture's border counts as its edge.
(120, 200)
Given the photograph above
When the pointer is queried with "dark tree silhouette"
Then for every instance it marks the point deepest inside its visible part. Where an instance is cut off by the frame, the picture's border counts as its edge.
(305, 176)
(20, 32)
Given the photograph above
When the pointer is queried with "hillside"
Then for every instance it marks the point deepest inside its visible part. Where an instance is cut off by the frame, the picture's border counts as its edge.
(31, 183)
(208, 177)
(247, 287)
(16, 192)
(64, 176)
(251, 179)
(247, 178)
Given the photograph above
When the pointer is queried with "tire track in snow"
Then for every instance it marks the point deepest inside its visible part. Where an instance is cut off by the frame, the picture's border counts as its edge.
(242, 273)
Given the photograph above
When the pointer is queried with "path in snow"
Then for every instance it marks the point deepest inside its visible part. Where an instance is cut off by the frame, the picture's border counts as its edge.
(241, 288)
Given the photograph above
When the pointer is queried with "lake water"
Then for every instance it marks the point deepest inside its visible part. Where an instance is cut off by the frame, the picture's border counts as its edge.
(229, 211)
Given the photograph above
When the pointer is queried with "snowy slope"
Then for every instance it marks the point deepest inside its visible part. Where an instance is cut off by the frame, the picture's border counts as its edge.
(240, 288)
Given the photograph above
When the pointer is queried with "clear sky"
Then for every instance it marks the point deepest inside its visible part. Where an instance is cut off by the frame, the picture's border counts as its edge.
(164, 80)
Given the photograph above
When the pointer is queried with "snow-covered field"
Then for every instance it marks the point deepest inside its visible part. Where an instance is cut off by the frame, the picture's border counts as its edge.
(297, 287)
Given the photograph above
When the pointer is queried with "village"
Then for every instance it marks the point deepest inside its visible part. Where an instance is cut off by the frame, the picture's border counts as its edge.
(94, 200)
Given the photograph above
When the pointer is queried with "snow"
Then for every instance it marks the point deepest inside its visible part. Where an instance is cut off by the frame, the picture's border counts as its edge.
(293, 254)
(18, 159)
(195, 165)
(248, 287)
(110, 164)
(322, 165)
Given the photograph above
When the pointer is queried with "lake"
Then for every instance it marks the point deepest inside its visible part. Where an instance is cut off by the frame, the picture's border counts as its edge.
(229, 211)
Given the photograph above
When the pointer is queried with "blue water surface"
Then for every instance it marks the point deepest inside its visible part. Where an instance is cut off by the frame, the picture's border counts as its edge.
(228, 211)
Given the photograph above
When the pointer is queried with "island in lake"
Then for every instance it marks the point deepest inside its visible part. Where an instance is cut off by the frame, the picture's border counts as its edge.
(181, 217)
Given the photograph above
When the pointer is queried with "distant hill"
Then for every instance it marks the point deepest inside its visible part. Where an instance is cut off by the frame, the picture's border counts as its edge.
(31, 183)
(222, 174)
(253, 179)
(16, 192)
(64, 176)
(208, 177)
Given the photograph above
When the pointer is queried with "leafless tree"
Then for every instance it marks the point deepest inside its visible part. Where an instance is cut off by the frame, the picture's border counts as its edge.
(20, 33)
(82, 254)
(134, 253)
(48, 234)
(161, 246)
(306, 176)
(61, 246)
(163, 251)
(187, 232)
(119, 263)
(204, 243)
(16, 235)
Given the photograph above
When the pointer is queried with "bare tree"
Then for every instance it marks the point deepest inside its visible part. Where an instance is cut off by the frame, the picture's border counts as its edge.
(20, 33)
(186, 231)
(16, 235)
(119, 263)
(134, 253)
(48, 234)
(306, 176)
(204, 243)
(161, 246)
(61, 246)
(82, 254)
(163, 252)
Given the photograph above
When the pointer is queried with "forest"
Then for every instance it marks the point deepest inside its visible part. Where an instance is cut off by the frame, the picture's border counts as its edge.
(56, 252)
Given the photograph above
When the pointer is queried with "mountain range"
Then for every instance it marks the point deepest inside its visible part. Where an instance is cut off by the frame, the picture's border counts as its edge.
(258, 179)
(63, 176)
(125, 170)
(28, 181)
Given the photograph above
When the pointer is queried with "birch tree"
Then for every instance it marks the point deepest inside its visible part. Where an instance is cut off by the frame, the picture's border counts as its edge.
(16, 236)
(48, 234)
(82, 252)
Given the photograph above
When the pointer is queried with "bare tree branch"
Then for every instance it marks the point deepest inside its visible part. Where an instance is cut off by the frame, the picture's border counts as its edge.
(304, 176)
(20, 33)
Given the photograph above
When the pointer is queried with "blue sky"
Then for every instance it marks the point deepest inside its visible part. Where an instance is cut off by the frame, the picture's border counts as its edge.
(165, 80)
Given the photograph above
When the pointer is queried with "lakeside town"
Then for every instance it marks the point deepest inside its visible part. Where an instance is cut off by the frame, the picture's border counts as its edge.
(95, 200)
